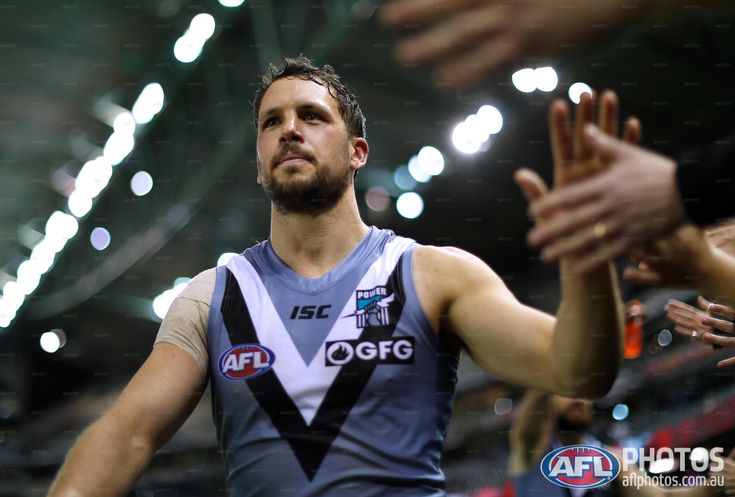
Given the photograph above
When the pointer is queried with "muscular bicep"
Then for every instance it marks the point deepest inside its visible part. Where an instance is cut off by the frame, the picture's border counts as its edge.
(503, 336)
(161, 395)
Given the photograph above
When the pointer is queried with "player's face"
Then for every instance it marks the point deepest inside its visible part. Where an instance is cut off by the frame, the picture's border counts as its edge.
(304, 150)
(573, 413)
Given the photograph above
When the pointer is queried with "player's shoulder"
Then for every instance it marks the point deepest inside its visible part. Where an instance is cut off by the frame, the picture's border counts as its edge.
(443, 274)
(446, 262)
(441, 255)
(201, 287)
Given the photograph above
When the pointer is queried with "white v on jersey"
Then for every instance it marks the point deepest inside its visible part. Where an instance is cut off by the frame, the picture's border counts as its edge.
(334, 386)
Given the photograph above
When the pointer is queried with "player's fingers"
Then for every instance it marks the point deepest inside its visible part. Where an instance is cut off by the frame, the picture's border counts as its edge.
(531, 184)
(400, 12)
(607, 119)
(641, 277)
(722, 310)
(583, 115)
(719, 324)
(727, 363)
(633, 131)
(603, 254)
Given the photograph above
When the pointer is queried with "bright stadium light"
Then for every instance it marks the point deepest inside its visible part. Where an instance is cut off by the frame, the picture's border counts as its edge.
(118, 146)
(94, 177)
(620, 412)
(377, 198)
(546, 78)
(524, 80)
(13, 296)
(202, 27)
(664, 338)
(187, 48)
(149, 103)
(490, 119)
(124, 123)
(465, 139)
(661, 466)
(52, 341)
(29, 276)
(410, 205)
(141, 183)
(403, 179)
(61, 225)
(576, 90)
(100, 238)
(79, 203)
(43, 255)
(416, 172)
(430, 160)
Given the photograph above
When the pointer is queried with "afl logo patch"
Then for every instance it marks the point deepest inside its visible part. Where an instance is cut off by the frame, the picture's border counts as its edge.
(580, 466)
(246, 361)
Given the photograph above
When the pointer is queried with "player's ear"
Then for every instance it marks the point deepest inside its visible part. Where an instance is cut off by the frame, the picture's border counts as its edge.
(360, 151)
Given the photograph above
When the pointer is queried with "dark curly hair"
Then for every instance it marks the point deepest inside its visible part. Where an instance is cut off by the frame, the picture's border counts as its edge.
(303, 68)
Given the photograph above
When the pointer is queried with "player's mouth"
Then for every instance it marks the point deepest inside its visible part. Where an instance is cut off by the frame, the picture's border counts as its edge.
(292, 159)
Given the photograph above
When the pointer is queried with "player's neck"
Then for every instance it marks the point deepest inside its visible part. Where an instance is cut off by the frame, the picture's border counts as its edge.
(312, 245)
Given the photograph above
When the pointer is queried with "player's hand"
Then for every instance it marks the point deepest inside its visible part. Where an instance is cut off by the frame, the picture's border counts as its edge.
(707, 323)
(575, 161)
(467, 40)
(635, 201)
(723, 236)
(720, 319)
(678, 260)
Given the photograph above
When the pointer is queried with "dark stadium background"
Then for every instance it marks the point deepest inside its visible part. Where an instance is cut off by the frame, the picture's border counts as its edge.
(67, 67)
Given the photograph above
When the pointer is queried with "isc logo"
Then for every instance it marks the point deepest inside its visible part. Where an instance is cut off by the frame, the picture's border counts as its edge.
(246, 361)
(580, 466)
(309, 312)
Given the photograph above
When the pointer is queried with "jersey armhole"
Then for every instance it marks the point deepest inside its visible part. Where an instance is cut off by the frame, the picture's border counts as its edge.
(409, 286)
(214, 320)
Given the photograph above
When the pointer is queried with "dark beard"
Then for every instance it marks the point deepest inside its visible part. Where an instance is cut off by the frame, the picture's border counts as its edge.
(316, 196)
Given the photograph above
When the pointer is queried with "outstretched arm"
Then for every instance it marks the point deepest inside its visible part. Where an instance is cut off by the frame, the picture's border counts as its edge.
(686, 259)
(578, 353)
(467, 40)
(111, 454)
(719, 278)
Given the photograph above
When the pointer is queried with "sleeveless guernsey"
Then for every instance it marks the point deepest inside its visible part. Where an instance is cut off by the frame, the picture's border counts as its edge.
(334, 386)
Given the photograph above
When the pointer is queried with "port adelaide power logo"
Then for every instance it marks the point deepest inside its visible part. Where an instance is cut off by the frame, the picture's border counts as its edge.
(372, 307)
(371, 310)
